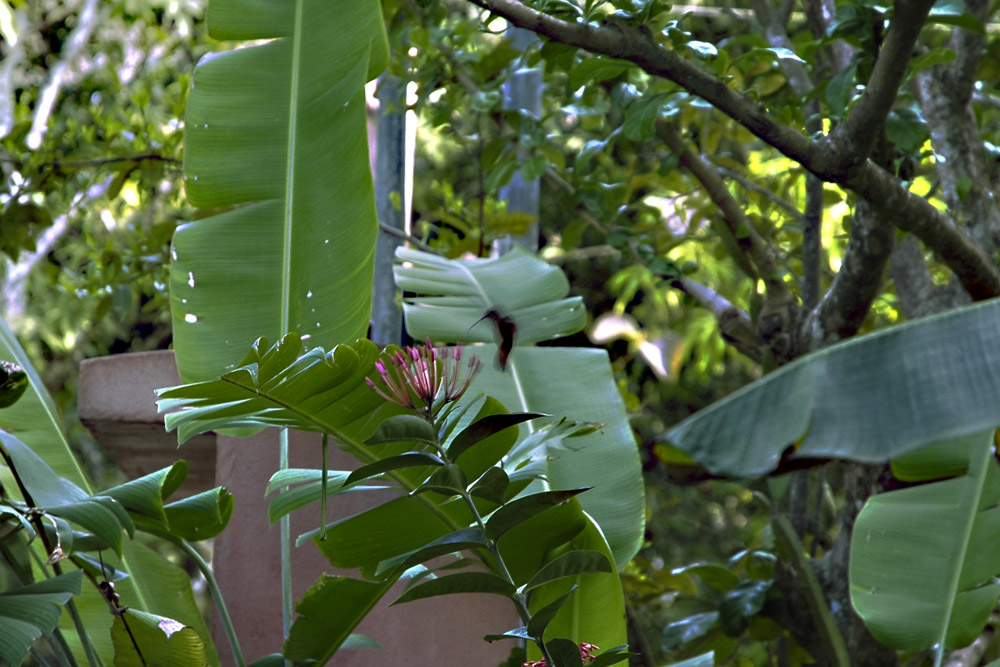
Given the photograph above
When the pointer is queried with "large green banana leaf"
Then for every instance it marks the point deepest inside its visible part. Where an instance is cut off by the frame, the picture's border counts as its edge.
(869, 399)
(456, 293)
(35, 421)
(574, 382)
(275, 150)
(924, 560)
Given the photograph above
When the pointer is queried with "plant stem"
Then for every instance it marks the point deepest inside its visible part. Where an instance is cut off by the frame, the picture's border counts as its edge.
(286, 547)
(322, 503)
(519, 600)
(213, 587)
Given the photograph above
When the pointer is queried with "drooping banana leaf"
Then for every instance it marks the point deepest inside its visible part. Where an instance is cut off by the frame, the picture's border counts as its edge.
(275, 150)
(34, 420)
(574, 382)
(457, 293)
(924, 559)
(869, 399)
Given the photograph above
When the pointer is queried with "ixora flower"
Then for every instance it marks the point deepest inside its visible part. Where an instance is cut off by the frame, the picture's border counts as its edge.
(586, 655)
(424, 377)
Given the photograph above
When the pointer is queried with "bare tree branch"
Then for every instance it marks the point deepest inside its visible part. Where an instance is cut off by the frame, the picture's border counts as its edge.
(845, 306)
(918, 294)
(739, 237)
(852, 141)
(911, 213)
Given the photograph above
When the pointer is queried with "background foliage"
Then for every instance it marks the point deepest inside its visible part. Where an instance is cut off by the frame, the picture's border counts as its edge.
(90, 204)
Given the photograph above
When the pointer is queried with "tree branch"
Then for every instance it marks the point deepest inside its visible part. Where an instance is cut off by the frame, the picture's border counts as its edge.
(739, 237)
(889, 199)
(852, 141)
(846, 304)
(913, 214)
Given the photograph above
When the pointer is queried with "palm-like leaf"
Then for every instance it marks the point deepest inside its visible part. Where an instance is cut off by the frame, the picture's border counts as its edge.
(869, 399)
(575, 382)
(276, 133)
(274, 386)
(924, 559)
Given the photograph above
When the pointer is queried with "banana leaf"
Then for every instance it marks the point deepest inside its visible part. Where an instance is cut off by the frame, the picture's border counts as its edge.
(275, 153)
(869, 399)
(457, 293)
(925, 559)
(574, 382)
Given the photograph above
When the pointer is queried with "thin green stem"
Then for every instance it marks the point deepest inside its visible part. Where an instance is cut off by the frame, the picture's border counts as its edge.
(322, 504)
(519, 600)
(286, 547)
(213, 587)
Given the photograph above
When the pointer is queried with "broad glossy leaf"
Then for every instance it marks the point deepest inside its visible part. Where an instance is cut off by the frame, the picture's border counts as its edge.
(564, 652)
(686, 630)
(570, 564)
(491, 486)
(612, 656)
(467, 538)
(33, 611)
(463, 582)
(162, 641)
(146, 494)
(595, 613)
(869, 399)
(101, 515)
(942, 592)
(485, 427)
(327, 614)
(403, 428)
(541, 618)
(456, 294)
(382, 532)
(579, 384)
(201, 516)
(276, 133)
(448, 480)
(520, 510)
(739, 605)
(408, 460)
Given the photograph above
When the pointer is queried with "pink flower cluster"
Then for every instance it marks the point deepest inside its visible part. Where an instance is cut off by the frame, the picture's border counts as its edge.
(586, 655)
(421, 375)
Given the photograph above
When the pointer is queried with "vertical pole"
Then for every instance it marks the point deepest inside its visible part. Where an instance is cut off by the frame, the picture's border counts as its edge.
(390, 203)
(523, 91)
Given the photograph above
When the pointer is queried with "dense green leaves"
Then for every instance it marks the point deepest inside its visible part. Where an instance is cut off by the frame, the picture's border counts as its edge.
(32, 611)
(328, 391)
